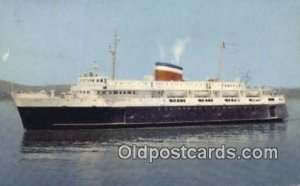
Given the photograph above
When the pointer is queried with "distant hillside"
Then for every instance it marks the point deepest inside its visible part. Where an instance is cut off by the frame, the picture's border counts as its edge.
(6, 87)
(291, 92)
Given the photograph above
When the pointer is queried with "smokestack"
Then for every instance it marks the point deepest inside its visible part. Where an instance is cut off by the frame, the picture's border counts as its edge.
(168, 72)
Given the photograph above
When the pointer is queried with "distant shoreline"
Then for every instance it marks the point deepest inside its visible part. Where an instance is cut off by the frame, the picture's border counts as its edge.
(6, 87)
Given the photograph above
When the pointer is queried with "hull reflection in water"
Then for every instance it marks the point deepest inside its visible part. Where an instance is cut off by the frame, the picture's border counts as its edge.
(109, 139)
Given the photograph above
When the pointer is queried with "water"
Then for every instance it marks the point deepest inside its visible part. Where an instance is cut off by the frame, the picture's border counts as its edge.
(90, 157)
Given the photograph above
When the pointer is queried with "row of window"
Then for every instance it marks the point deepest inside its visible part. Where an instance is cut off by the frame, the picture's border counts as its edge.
(84, 92)
(205, 100)
(271, 99)
(109, 92)
(232, 100)
(93, 80)
(177, 100)
(91, 74)
(210, 108)
(231, 85)
(160, 83)
(115, 92)
(254, 100)
(208, 86)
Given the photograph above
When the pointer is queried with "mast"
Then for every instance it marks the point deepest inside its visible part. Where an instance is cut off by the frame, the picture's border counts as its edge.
(113, 51)
(220, 67)
(95, 68)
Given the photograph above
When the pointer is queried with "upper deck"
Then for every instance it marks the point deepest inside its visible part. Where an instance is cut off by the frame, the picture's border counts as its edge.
(93, 89)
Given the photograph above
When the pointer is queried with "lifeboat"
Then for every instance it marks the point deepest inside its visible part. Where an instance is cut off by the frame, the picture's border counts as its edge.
(201, 93)
(252, 93)
(176, 93)
(231, 93)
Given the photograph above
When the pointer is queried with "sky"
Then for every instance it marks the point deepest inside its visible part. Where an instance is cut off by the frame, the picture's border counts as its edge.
(53, 41)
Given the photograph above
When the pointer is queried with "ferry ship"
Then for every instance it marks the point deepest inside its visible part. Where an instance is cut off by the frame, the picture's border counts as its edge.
(97, 101)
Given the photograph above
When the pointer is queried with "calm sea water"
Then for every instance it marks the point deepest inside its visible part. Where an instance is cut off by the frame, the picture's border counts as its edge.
(90, 157)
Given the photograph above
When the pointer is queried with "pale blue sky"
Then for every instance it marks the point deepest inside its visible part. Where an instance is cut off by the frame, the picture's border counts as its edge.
(51, 42)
